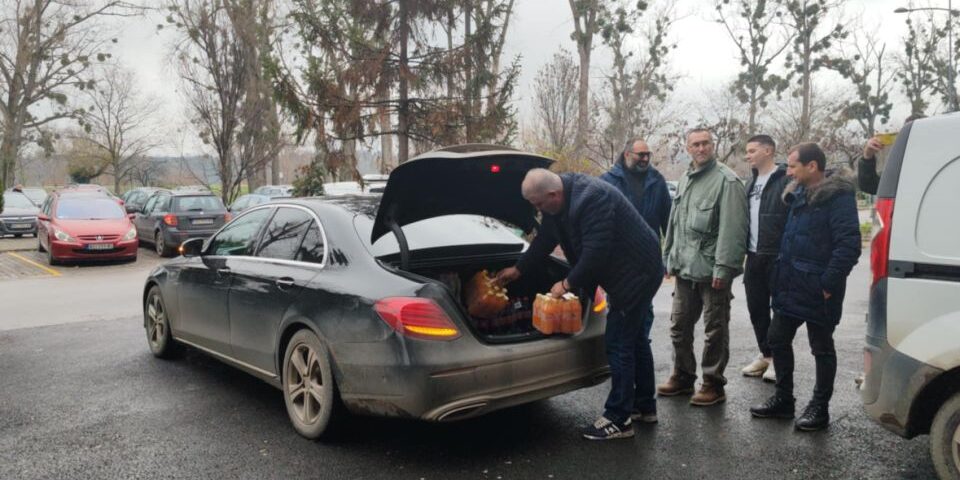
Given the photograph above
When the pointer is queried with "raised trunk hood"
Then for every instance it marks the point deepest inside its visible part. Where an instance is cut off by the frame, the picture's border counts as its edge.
(466, 179)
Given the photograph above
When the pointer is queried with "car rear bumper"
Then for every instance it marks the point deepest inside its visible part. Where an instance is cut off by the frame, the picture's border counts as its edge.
(174, 238)
(458, 382)
(892, 384)
(18, 227)
(81, 251)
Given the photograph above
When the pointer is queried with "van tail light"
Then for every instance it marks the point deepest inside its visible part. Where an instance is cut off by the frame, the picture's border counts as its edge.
(880, 247)
(417, 318)
(170, 219)
(599, 300)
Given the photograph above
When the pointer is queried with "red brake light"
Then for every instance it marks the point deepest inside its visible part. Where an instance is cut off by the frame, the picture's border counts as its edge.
(880, 247)
(599, 300)
(170, 219)
(226, 217)
(494, 168)
(417, 318)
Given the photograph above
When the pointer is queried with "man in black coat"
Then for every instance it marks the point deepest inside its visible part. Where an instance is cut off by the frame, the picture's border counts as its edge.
(608, 244)
(821, 245)
(768, 215)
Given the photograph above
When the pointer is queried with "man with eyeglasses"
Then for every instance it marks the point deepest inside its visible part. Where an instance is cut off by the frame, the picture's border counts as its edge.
(646, 189)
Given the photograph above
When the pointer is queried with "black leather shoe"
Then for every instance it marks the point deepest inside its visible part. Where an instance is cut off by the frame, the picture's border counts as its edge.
(815, 417)
(774, 407)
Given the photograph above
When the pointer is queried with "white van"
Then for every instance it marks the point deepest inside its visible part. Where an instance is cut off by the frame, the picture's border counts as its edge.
(912, 354)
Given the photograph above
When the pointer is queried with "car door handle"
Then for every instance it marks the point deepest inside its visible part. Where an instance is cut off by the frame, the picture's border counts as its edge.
(223, 271)
(285, 283)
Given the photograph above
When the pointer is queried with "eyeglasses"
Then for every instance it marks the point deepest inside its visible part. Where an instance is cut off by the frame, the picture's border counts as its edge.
(641, 154)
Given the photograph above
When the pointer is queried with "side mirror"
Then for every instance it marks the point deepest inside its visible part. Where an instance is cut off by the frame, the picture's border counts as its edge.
(43, 217)
(191, 248)
(131, 208)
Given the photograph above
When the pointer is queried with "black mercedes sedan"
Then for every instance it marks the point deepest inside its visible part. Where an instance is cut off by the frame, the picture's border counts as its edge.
(356, 304)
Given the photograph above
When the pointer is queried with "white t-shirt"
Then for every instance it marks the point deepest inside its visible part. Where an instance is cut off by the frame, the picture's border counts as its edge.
(755, 195)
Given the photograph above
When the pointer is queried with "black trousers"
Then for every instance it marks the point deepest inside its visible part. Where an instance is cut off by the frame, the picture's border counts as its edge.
(782, 332)
(756, 282)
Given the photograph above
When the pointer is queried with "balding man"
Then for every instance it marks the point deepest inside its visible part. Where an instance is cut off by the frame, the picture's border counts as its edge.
(608, 244)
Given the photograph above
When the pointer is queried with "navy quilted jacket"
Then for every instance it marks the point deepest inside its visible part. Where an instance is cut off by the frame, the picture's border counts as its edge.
(605, 240)
(821, 244)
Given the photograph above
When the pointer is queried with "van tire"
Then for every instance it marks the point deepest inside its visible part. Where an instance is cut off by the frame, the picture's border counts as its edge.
(945, 439)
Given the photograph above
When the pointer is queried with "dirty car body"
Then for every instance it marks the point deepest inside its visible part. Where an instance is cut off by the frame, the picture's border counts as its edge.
(366, 252)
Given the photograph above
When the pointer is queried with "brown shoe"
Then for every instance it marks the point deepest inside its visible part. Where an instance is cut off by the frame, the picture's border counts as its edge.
(708, 395)
(673, 387)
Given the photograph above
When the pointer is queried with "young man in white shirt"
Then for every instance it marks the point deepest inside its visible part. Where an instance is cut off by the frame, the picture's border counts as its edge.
(768, 215)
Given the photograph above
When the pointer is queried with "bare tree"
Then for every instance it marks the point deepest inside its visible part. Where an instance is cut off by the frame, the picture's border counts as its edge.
(586, 15)
(756, 29)
(865, 64)
(220, 69)
(46, 50)
(117, 125)
(916, 65)
(555, 105)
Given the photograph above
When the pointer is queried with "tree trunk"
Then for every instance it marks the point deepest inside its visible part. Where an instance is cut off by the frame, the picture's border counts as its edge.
(583, 97)
(404, 107)
(470, 92)
(805, 93)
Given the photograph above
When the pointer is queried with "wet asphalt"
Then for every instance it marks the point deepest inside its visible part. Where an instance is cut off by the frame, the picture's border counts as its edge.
(87, 400)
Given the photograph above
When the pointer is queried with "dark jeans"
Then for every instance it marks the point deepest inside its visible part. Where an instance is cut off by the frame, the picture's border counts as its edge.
(631, 363)
(782, 331)
(756, 282)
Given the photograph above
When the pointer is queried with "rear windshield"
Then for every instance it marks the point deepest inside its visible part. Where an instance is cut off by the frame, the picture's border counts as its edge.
(200, 203)
(89, 208)
(446, 231)
(17, 200)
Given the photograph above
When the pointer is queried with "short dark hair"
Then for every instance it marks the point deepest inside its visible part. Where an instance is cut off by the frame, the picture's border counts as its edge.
(810, 152)
(698, 130)
(763, 140)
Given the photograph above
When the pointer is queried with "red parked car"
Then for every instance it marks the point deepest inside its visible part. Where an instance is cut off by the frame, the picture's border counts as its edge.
(84, 225)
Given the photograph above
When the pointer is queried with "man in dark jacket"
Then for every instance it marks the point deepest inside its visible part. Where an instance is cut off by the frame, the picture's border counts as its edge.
(608, 244)
(768, 215)
(647, 191)
(642, 184)
(821, 244)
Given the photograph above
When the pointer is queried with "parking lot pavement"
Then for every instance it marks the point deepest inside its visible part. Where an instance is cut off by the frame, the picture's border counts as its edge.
(34, 294)
(13, 244)
(87, 400)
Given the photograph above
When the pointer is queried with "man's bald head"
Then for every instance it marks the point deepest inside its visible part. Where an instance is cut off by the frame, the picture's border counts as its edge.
(544, 190)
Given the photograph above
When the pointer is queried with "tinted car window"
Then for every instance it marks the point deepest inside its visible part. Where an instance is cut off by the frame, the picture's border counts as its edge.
(17, 200)
(207, 203)
(163, 204)
(239, 237)
(89, 209)
(150, 204)
(284, 233)
(311, 250)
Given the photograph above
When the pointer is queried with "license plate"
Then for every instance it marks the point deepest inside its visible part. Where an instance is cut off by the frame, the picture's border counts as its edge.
(203, 221)
(20, 226)
(100, 246)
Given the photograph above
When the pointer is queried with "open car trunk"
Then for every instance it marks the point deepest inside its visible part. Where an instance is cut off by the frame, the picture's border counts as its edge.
(515, 323)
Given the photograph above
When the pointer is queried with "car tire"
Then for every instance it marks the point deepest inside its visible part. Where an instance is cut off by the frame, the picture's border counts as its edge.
(51, 259)
(945, 439)
(309, 389)
(156, 322)
(40, 245)
(160, 245)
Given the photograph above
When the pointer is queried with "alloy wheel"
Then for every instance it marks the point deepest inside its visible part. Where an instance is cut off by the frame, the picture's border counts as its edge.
(305, 384)
(158, 242)
(156, 323)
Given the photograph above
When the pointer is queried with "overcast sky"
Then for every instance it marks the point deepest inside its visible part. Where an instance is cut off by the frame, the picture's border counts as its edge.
(705, 57)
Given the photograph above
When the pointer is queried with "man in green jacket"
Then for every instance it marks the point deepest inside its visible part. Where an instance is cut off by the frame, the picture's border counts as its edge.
(704, 249)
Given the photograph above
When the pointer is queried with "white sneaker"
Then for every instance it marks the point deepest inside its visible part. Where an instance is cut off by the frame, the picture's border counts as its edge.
(770, 375)
(756, 367)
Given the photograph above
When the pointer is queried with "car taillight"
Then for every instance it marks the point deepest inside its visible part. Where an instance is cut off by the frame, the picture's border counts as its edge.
(227, 217)
(880, 247)
(417, 318)
(599, 300)
(170, 219)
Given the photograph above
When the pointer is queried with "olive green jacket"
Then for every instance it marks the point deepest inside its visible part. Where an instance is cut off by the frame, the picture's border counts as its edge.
(707, 235)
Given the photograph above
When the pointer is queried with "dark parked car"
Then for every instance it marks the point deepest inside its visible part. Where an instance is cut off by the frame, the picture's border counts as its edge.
(36, 195)
(80, 225)
(135, 199)
(353, 302)
(169, 218)
(19, 215)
